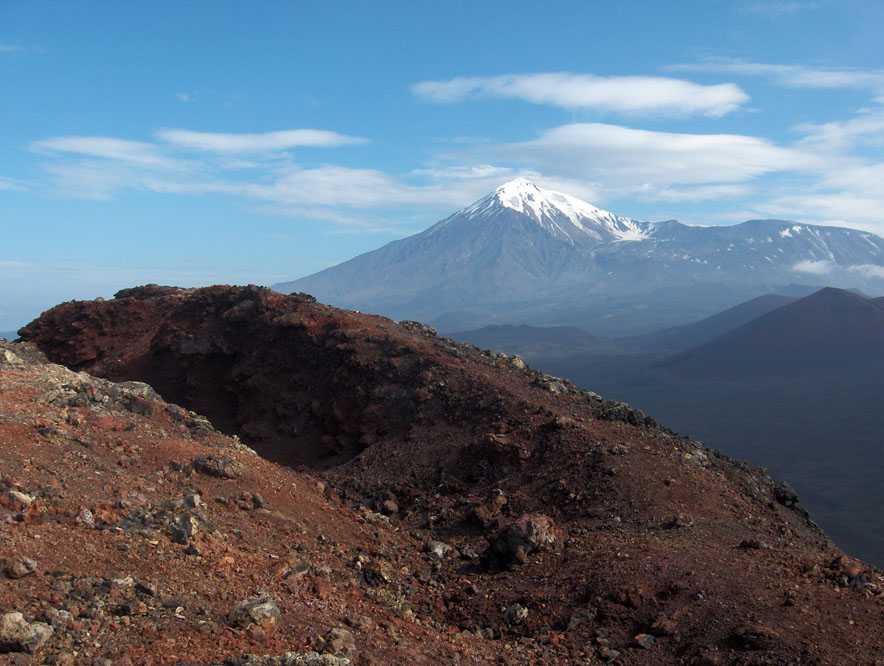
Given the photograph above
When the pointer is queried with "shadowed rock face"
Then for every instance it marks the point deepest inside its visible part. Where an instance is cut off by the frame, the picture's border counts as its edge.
(517, 508)
(281, 372)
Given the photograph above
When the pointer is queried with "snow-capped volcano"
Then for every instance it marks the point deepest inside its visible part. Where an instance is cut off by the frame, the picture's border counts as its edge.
(525, 254)
(562, 215)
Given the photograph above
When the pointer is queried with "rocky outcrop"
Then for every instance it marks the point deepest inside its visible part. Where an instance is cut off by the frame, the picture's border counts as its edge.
(459, 503)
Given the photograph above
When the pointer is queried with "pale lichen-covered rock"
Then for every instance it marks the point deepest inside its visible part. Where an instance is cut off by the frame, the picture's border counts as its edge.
(19, 635)
(260, 610)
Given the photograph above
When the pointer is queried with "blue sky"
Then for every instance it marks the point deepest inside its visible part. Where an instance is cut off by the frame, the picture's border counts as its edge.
(194, 143)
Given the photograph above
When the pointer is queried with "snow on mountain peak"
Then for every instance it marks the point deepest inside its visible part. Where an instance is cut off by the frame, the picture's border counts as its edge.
(563, 215)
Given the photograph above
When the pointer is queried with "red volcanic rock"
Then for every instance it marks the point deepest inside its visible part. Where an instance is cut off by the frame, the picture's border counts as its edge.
(121, 588)
(529, 534)
(620, 528)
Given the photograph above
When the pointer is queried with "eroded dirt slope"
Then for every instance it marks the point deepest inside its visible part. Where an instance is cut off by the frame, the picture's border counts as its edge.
(131, 532)
(532, 522)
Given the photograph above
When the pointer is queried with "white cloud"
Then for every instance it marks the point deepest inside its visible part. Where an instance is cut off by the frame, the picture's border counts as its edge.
(823, 267)
(255, 143)
(184, 97)
(602, 163)
(131, 152)
(94, 179)
(622, 94)
(10, 48)
(842, 135)
(795, 76)
(869, 270)
(334, 186)
(622, 156)
(843, 208)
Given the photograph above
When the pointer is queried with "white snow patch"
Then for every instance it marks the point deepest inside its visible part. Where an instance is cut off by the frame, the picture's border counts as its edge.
(547, 208)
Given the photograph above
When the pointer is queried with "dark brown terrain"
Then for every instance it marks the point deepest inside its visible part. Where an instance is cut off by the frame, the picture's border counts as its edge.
(411, 500)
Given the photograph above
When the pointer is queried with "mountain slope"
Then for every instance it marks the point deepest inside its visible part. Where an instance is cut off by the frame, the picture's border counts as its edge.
(524, 253)
(134, 533)
(522, 512)
(832, 330)
(691, 335)
(515, 243)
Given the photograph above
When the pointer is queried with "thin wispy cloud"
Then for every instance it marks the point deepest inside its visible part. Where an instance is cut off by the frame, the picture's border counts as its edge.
(255, 143)
(131, 152)
(865, 128)
(794, 76)
(617, 94)
(10, 184)
(778, 7)
(625, 155)
(592, 160)
(10, 48)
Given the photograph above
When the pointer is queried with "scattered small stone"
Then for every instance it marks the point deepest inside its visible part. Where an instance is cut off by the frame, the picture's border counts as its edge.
(753, 544)
(194, 501)
(664, 626)
(608, 654)
(786, 494)
(19, 635)
(753, 637)
(531, 532)
(287, 659)
(260, 610)
(437, 549)
(340, 641)
(377, 573)
(678, 521)
(183, 528)
(220, 467)
(22, 500)
(388, 507)
(19, 567)
(515, 614)
(645, 641)
(86, 517)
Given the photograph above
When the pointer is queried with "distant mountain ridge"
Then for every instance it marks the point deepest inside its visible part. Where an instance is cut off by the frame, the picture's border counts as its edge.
(831, 330)
(797, 389)
(524, 253)
(690, 335)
